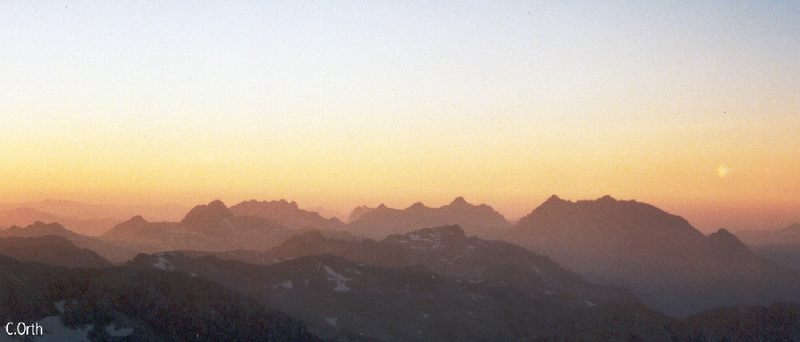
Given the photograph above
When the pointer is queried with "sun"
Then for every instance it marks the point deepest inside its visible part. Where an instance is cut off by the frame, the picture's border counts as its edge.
(723, 171)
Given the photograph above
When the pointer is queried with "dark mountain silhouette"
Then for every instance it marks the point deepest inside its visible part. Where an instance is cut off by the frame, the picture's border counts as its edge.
(133, 304)
(51, 250)
(287, 214)
(666, 261)
(211, 227)
(114, 252)
(479, 220)
(26, 289)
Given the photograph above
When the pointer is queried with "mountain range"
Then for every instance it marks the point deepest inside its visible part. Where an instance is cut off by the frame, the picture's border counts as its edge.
(789, 235)
(27, 216)
(781, 246)
(115, 252)
(585, 270)
(211, 226)
(479, 220)
(83, 218)
(287, 214)
(661, 257)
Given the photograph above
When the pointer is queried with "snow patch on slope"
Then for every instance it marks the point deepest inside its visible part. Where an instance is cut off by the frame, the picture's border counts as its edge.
(163, 264)
(341, 281)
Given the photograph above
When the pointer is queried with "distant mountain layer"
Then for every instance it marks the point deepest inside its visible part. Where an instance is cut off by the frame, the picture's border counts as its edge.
(51, 250)
(781, 246)
(479, 220)
(83, 218)
(789, 235)
(111, 251)
(132, 304)
(27, 216)
(287, 214)
(212, 227)
(667, 262)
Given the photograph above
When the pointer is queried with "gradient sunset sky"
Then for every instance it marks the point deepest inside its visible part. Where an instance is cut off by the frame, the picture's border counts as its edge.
(691, 106)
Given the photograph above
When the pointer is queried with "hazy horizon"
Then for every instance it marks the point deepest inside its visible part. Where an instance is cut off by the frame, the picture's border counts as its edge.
(174, 211)
(691, 107)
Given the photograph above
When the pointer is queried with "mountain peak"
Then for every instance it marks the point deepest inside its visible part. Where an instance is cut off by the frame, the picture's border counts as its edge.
(553, 199)
(51, 226)
(137, 219)
(39, 228)
(459, 201)
(725, 240)
(283, 203)
(285, 213)
(723, 235)
(207, 213)
(217, 205)
(551, 202)
(417, 205)
(606, 198)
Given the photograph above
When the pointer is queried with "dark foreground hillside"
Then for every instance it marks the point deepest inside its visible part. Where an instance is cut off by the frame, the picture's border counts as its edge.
(345, 300)
(122, 303)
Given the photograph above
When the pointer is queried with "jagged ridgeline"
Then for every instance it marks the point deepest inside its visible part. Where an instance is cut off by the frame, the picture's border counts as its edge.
(267, 270)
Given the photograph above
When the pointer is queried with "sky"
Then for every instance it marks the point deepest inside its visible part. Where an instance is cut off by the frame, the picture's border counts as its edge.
(691, 106)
